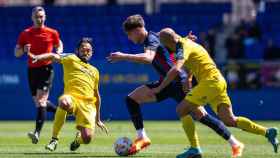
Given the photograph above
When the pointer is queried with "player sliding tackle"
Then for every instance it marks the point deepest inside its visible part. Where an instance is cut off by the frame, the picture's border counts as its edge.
(211, 87)
(81, 96)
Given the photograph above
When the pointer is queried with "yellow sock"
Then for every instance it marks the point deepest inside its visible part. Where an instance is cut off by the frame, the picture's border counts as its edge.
(189, 128)
(249, 126)
(59, 119)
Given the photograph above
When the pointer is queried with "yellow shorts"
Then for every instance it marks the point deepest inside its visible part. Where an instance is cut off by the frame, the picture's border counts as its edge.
(213, 92)
(83, 110)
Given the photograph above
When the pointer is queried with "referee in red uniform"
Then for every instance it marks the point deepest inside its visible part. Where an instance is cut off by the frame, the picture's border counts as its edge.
(39, 39)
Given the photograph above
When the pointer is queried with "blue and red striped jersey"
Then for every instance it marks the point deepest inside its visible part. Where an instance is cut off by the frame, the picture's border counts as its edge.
(163, 60)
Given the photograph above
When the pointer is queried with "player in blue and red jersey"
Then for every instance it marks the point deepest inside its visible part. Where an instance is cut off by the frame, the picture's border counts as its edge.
(162, 61)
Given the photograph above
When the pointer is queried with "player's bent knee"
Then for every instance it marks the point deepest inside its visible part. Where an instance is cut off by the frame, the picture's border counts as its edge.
(64, 105)
(198, 113)
(184, 108)
(41, 98)
(133, 97)
(128, 98)
(180, 111)
(227, 116)
(230, 122)
(42, 103)
(86, 136)
(140, 95)
(130, 101)
(87, 139)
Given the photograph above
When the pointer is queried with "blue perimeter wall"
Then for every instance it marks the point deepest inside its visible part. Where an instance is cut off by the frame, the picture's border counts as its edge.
(117, 81)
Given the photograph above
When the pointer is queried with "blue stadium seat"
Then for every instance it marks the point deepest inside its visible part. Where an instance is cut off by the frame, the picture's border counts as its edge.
(254, 50)
(104, 23)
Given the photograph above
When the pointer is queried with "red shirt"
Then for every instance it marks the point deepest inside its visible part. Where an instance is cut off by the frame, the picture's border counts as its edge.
(42, 41)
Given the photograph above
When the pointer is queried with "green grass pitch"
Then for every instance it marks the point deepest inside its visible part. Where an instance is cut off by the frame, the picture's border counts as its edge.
(167, 138)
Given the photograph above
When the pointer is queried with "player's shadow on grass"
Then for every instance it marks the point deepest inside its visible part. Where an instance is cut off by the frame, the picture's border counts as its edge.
(73, 154)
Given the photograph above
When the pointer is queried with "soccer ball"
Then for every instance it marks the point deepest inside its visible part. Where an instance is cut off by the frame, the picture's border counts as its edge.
(122, 146)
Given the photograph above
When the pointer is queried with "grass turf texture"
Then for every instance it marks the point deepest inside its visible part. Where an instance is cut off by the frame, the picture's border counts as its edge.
(167, 138)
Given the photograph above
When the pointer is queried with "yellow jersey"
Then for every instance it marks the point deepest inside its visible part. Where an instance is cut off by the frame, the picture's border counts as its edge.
(80, 79)
(197, 60)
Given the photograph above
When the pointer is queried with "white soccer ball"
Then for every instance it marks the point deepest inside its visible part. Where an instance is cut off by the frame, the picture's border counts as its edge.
(122, 146)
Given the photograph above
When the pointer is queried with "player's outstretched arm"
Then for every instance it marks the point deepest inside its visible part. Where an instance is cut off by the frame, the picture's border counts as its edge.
(144, 58)
(187, 85)
(171, 75)
(59, 47)
(49, 56)
(98, 121)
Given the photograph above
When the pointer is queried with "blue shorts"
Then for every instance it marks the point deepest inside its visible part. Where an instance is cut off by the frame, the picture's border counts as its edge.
(174, 90)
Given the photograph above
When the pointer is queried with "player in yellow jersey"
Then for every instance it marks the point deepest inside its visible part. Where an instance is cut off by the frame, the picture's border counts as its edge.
(81, 96)
(162, 60)
(211, 88)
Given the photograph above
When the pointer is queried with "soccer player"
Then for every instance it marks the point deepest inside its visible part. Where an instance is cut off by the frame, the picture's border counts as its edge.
(162, 61)
(81, 95)
(211, 87)
(39, 39)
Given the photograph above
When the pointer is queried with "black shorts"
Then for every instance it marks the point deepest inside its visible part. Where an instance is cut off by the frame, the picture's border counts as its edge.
(173, 90)
(40, 78)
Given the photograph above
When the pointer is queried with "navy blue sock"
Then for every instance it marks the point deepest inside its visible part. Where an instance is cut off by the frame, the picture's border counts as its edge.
(40, 119)
(217, 125)
(135, 113)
